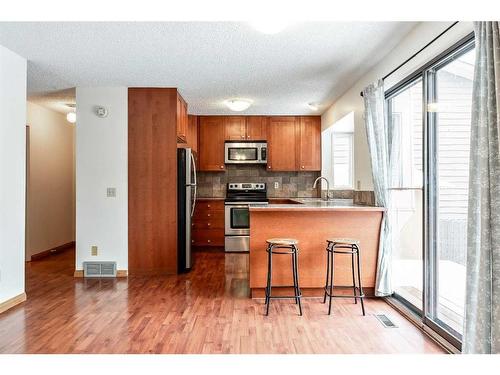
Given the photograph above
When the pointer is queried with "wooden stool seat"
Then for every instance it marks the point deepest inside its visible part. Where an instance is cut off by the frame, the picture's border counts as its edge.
(282, 241)
(343, 241)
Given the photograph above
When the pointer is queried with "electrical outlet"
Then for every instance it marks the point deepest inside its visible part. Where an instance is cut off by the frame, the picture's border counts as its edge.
(358, 187)
(276, 185)
(93, 251)
(111, 192)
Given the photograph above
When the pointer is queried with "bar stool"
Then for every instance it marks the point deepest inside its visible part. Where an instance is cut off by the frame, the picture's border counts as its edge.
(283, 246)
(343, 246)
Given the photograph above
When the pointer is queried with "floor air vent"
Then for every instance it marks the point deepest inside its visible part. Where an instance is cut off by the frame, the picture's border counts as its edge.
(99, 269)
(386, 321)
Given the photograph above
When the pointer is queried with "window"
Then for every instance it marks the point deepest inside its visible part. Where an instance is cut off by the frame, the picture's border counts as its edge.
(429, 117)
(337, 153)
(342, 160)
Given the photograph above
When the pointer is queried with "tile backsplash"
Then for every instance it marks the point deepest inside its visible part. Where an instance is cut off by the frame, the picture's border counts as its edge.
(291, 184)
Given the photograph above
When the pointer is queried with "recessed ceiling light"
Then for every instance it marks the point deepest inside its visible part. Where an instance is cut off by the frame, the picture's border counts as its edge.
(270, 26)
(313, 106)
(71, 117)
(238, 105)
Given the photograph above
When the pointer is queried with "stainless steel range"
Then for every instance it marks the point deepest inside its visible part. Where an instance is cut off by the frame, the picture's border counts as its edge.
(237, 215)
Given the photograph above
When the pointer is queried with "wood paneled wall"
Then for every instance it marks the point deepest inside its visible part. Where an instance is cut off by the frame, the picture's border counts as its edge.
(152, 176)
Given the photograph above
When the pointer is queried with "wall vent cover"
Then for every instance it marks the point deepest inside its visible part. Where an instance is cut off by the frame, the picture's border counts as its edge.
(384, 319)
(99, 269)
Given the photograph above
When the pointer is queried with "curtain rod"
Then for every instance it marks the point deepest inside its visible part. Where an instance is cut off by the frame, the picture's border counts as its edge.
(416, 53)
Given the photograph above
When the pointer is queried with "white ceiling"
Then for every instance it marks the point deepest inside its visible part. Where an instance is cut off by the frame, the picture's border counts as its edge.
(208, 61)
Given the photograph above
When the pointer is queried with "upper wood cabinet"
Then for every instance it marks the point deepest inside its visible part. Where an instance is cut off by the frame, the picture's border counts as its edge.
(211, 143)
(235, 128)
(256, 128)
(309, 143)
(192, 133)
(182, 119)
(282, 143)
(245, 128)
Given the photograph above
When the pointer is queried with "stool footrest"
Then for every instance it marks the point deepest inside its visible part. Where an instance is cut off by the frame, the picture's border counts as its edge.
(327, 291)
(285, 297)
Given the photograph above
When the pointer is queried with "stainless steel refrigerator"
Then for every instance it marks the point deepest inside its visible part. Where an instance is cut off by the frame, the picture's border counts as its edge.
(186, 201)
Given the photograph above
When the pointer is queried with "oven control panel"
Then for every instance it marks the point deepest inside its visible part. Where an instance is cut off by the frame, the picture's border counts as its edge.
(247, 186)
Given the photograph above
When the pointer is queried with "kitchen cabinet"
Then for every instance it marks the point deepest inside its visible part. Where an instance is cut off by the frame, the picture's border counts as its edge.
(208, 223)
(152, 169)
(235, 128)
(211, 143)
(191, 136)
(282, 143)
(256, 129)
(309, 143)
(245, 128)
(182, 119)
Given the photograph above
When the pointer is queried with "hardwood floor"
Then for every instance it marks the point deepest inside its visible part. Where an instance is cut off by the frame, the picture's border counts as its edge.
(205, 311)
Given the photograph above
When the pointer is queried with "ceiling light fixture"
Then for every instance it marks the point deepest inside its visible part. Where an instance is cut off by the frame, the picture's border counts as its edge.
(313, 106)
(71, 117)
(238, 105)
(270, 26)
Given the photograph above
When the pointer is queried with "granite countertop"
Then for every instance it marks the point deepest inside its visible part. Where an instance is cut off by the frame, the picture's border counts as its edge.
(313, 204)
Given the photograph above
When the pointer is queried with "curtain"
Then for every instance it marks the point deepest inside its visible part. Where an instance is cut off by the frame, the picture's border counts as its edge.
(379, 144)
(482, 305)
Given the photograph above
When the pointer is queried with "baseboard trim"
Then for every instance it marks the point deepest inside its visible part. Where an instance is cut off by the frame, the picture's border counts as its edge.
(119, 273)
(14, 301)
(54, 250)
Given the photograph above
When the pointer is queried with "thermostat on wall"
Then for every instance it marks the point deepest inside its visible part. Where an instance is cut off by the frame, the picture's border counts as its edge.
(101, 112)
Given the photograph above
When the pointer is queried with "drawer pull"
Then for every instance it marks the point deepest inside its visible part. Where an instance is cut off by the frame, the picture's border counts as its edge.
(208, 241)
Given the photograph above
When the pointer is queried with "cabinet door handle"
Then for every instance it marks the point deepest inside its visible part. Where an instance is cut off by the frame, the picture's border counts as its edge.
(208, 224)
(248, 136)
(208, 205)
(208, 215)
(302, 167)
(221, 167)
(242, 136)
(208, 241)
(268, 167)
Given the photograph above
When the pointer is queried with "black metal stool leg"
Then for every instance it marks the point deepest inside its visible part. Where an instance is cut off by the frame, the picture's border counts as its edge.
(359, 282)
(327, 270)
(296, 279)
(353, 278)
(269, 277)
(331, 281)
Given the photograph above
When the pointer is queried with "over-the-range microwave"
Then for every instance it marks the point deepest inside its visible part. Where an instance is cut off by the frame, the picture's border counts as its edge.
(245, 152)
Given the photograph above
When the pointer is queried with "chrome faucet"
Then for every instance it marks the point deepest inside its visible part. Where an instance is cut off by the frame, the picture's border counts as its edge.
(327, 186)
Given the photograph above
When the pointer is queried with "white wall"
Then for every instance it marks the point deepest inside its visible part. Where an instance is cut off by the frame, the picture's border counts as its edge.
(50, 200)
(101, 162)
(352, 101)
(12, 172)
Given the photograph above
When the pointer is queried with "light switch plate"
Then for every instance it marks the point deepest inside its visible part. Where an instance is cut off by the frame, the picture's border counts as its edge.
(111, 192)
(93, 251)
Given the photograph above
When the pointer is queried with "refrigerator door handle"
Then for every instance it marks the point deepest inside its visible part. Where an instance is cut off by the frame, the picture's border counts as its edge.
(194, 185)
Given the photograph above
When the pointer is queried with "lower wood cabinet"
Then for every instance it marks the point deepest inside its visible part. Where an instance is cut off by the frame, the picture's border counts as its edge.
(207, 227)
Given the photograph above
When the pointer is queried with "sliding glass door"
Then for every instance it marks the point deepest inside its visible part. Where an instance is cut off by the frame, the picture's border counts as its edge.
(406, 128)
(429, 122)
(449, 118)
